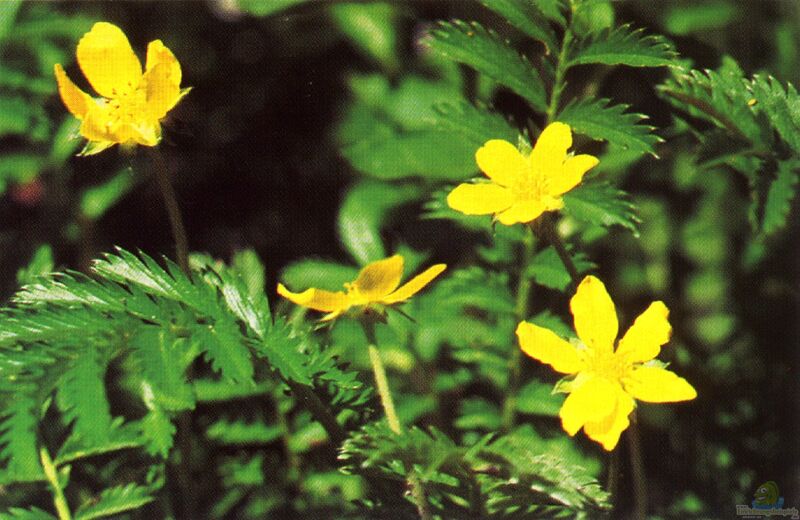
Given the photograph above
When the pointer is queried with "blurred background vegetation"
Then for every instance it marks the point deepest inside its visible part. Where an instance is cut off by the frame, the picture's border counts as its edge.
(306, 135)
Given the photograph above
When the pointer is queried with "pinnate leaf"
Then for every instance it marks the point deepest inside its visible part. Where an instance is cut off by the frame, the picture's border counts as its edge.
(624, 46)
(600, 203)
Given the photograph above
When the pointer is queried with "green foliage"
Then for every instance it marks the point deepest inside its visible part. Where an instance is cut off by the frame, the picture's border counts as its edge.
(601, 203)
(600, 120)
(113, 501)
(527, 17)
(483, 50)
(624, 46)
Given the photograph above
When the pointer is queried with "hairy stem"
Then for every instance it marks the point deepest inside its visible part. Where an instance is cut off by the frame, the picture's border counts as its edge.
(548, 229)
(50, 471)
(318, 410)
(560, 73)
(382, 384)
(637, 470)
(173, 210)
(520, 313)
(612, 477)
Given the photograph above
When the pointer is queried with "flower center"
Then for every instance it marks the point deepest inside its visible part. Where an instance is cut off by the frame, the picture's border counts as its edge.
(529, 187)
(127, 106)
(607, 365)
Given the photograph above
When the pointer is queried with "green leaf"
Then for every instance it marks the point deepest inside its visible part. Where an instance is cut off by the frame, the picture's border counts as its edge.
(282, 349)
(18, 168)
(95, 201)
(372, 28)
(121, 436)
(34, 513)
(525, 16)
(262, 8)
(8, 12)
(239, 432)
(782, 107)
(600, 203)
(158, 431)
(322, 274)
(223, 346)
(82, 397)
(547, 269)
(363, 214)
(553, 10)
(624, 46)
(779, 196)
(115, 500)
(475, 124)
(18, 446)
(250, 269)
(483, 50)
(537, 398)
(160, 357)
(598, 119)
(431, 154)
(41, 264)
(695, 19)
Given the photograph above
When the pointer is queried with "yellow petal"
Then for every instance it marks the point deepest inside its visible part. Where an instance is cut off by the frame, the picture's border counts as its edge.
(521, 213)
(570, 174)
(608, 431)
(76, 100)
(479, 199)
(501, 161)
(97, 122)
(378, 279)
(545, 346)
(550, 151)
(643, 340)
(317, 299)
(162, 80)
(592, 401)
(657, 385)
(146, 133)
(595, 316)
(107, 60)
(413, 286)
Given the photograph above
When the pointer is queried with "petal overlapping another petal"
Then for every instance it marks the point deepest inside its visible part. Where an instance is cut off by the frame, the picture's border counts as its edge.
(379, 279)
(592, 401)
(162, 80)
(657, 385)
(107, 60)
(643, 340)
(594, 314)
(76, 100)
(501, 161)
(521, 212)
(570, 174)
(550, 150)
(480, 199)
(416, 284)
(317, 299)
(608, 431)
(545, 346)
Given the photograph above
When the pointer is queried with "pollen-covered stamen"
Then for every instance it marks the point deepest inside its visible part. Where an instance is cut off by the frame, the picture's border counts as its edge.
(529, 187)
(605, 364)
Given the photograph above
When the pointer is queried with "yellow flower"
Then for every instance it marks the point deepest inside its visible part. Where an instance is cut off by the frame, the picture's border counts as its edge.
(133, 102)
(376, 285)
(523, 188)
(606, 380)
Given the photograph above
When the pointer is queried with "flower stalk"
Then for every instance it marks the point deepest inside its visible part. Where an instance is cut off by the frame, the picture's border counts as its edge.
(51, 472)
(173, 209)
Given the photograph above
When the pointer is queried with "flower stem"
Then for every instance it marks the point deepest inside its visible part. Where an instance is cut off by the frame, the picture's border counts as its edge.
(50, 471)
(612, 477)
(173, 210)
(318, 410)
(637, 469)
(548, 229)
(382, 384)
(520, 313)
(560, 73)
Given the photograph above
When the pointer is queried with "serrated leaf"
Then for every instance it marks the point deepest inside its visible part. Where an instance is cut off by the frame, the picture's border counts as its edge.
(600, 203)
(160, 357)
(553, 10)
(239, 432)
(483, 50)
(82, 397)
(158, 432)
(537, 398)
(372, 28)
(525, 16)
(40, 265)
(250, 269)
(781, 106)
(624, 46)
(281, 348)
(779, 196)
(547, 269)
(222, 343)
(18, 449)
(597, 118)
(115, 500)
(363, 213)
(476, 124)
(121, 436)
(34, 513)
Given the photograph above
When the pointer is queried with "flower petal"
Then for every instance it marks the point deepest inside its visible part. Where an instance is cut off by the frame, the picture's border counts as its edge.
(479, 199)
(413, 286)
(608, 431)
(570, 174)
(107, 60)
(317, 299)
(595, 316)
(76, 100)
(96, 123)
(550, 150)
(521, 213)
(544, 345)
(501, 161)
(162, 80)
(657, 385)
(643, 340)
(592, 401)
(377, 279)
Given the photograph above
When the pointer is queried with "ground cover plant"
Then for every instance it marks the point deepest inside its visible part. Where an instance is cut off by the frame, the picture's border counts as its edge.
(451, 259)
